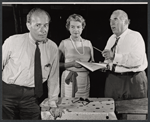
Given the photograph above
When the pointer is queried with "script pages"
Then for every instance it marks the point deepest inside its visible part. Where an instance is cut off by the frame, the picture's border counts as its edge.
(92, 66)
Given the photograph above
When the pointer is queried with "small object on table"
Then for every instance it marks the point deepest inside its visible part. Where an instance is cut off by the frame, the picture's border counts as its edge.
(107, 117)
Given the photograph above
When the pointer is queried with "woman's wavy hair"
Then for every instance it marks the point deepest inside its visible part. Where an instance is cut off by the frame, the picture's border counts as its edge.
(75, 17)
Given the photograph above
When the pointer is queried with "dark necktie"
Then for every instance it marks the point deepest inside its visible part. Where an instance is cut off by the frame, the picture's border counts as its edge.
(113, 48)
(38, 72)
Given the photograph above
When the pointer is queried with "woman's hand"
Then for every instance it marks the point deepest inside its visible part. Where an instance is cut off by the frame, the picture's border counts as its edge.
(76, 65)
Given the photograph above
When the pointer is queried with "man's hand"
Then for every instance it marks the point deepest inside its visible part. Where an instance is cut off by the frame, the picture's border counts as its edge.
(108, 67)
(108, 54)
(103, 69)
(56, 112)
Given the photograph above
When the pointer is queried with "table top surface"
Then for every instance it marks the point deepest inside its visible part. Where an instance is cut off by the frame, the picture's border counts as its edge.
(132, 106)
(76, 105)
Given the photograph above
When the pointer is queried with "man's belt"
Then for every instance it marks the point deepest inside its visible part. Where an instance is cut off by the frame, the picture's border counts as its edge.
(124, 73)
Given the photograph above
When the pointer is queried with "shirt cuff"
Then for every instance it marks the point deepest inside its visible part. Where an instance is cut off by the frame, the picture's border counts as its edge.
(107, 61)
(117, 59)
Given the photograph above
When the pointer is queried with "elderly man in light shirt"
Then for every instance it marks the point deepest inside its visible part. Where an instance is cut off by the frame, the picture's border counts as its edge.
(19, 98)
(127, 60)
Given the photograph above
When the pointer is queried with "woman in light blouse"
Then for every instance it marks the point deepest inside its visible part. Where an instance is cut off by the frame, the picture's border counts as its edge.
(75, 81)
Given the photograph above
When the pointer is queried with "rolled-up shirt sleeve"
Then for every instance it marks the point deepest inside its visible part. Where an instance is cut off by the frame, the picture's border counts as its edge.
(53, 82)
(6, 51)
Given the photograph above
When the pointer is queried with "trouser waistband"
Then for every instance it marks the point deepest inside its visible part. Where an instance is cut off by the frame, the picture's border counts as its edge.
(17, 86)
(124, 73)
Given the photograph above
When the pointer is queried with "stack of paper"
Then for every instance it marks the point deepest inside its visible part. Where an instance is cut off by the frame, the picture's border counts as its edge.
(92, 66)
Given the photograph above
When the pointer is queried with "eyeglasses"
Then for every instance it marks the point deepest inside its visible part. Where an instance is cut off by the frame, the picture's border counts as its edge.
(84, 101)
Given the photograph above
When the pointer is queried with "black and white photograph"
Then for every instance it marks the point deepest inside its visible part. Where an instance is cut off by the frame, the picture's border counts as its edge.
(74, 60)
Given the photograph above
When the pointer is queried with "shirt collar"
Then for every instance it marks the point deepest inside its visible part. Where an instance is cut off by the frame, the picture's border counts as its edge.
(33, 41)
(123, 34)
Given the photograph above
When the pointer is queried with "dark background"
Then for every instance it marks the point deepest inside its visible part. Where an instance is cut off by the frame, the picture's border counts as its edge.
(97, 28)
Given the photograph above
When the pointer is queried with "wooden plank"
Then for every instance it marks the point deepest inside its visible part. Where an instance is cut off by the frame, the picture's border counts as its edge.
(136, 117)
(132, 106)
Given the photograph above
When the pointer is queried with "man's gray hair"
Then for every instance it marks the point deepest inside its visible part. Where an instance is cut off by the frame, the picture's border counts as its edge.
(122, 15)
(36, 10)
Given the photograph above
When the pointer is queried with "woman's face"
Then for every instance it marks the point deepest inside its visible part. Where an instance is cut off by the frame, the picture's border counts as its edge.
(75, 28)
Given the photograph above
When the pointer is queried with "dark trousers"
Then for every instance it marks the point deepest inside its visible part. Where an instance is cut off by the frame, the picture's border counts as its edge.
(19, 103)
(121, 87)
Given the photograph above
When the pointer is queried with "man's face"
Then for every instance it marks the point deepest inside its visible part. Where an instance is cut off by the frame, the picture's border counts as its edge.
(75, 28)
(39, 26)
(117, 25)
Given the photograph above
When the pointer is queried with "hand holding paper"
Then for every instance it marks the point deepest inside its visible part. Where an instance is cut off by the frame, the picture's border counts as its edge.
(76, 65)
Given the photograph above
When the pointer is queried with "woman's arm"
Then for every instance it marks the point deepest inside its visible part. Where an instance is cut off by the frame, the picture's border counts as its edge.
(64, 65)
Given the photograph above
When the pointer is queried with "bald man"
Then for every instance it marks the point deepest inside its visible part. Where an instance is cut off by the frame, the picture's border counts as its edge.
(125, 54)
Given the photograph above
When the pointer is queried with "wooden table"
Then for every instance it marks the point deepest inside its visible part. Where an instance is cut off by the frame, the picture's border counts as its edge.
(136, 109)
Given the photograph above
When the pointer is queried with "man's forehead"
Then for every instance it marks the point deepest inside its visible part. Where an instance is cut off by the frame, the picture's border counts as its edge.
(115, 15)
(39, 14)
(37, 17)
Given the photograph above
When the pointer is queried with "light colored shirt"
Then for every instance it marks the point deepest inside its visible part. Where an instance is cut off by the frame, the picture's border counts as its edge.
(130, 52)
(18, 63)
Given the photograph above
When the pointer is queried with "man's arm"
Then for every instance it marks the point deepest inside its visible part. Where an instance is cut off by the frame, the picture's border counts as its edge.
(6, 51)
(53, 88)
(53, 82)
